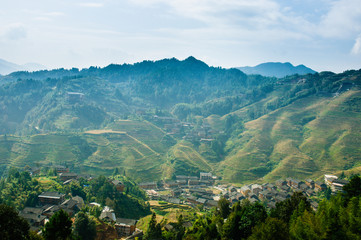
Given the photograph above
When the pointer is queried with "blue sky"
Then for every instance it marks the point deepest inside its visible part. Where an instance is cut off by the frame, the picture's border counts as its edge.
(322, 34)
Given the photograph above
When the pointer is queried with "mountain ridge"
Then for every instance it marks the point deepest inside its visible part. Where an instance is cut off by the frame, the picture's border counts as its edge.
(277, 69)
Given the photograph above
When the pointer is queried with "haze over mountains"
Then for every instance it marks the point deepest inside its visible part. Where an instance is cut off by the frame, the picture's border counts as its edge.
(158, 119)
(9, 67)
(277, 69)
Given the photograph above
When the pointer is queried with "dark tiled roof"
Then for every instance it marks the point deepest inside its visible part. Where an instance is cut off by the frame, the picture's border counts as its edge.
(51, 195)
(126, 221)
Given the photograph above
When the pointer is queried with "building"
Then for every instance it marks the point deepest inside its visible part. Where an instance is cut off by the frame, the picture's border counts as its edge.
(34, 217)
(65, 176)
(61, 169)
(108, 215)
(125, 227)
(54, 198)
(310, 183)
(319, 186)
(205, 176)
(245, 190)
(337, 185)
(118, 185)
(75, 96)
(329, 179)
(171, 184)
(148, 185)
(281, 183)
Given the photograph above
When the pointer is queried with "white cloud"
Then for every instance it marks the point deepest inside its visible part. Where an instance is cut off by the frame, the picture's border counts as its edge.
(15, 32)
(356, 50)
(342, 20)
(54, 14)
(91, 5)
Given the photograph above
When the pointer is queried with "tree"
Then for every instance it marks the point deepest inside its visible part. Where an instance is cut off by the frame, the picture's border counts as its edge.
(271, 229)
(353, 188)
(307, 226)
(12, 226)
(223, 207)
(58, 227)
(154, 231)
(284, 209)
(84, 227)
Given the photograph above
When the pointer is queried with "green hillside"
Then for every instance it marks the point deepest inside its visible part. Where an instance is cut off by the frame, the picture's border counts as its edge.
(309, 137)
(155, 120)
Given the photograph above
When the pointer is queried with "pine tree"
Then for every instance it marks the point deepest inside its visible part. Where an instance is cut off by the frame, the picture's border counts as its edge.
(58, 227)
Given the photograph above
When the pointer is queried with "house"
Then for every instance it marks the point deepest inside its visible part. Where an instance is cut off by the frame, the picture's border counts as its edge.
(60, 169)
(329, 179)
(320, 186)
(294, 183)
(192, 182)
(201, 201)
(177, 192)
(271, 187)
(337, 185)
(174, 200)
(281, 183)
(303, 186)
(256, 188)
(125, 227)
(51, 198)
(34, 217)
(79, 201)
(33, 170)
(205, 176)
(211, 203)
(245, 190)
(171, 184)
(108, 215)
(310, 183)
(118, 185)
(75, 96)
(64, 176)
(192, 199)
(148, 185)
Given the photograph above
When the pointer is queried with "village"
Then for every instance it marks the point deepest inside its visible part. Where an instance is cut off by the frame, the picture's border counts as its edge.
(200, 192)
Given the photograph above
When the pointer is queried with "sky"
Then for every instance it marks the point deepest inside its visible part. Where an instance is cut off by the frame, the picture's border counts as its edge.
(322, 34)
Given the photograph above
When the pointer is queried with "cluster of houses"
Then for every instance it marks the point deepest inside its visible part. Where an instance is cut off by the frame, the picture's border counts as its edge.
(197, 191)
(49, 203)
(187, 131)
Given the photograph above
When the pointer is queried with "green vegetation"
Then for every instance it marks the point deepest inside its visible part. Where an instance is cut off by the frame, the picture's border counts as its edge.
(240, 127)
(337, 218)
(11, 225)
(58, 227)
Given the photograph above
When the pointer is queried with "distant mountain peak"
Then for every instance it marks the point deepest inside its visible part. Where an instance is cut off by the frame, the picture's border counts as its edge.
(9, 67)
(277, 69)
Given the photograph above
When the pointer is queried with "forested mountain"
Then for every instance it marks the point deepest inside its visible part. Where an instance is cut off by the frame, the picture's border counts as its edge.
(156, 119)
(277, 69)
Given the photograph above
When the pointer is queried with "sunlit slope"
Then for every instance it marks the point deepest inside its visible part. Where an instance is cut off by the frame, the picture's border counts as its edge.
(138, 148)
(309, 137)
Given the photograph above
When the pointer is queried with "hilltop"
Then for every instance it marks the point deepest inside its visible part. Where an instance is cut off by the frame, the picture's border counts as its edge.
(158, 119)
(277, 69)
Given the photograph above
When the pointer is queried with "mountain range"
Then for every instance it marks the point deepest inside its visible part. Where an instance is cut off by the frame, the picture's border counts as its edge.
(9, 67)
(277, 69)
(157, 119)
